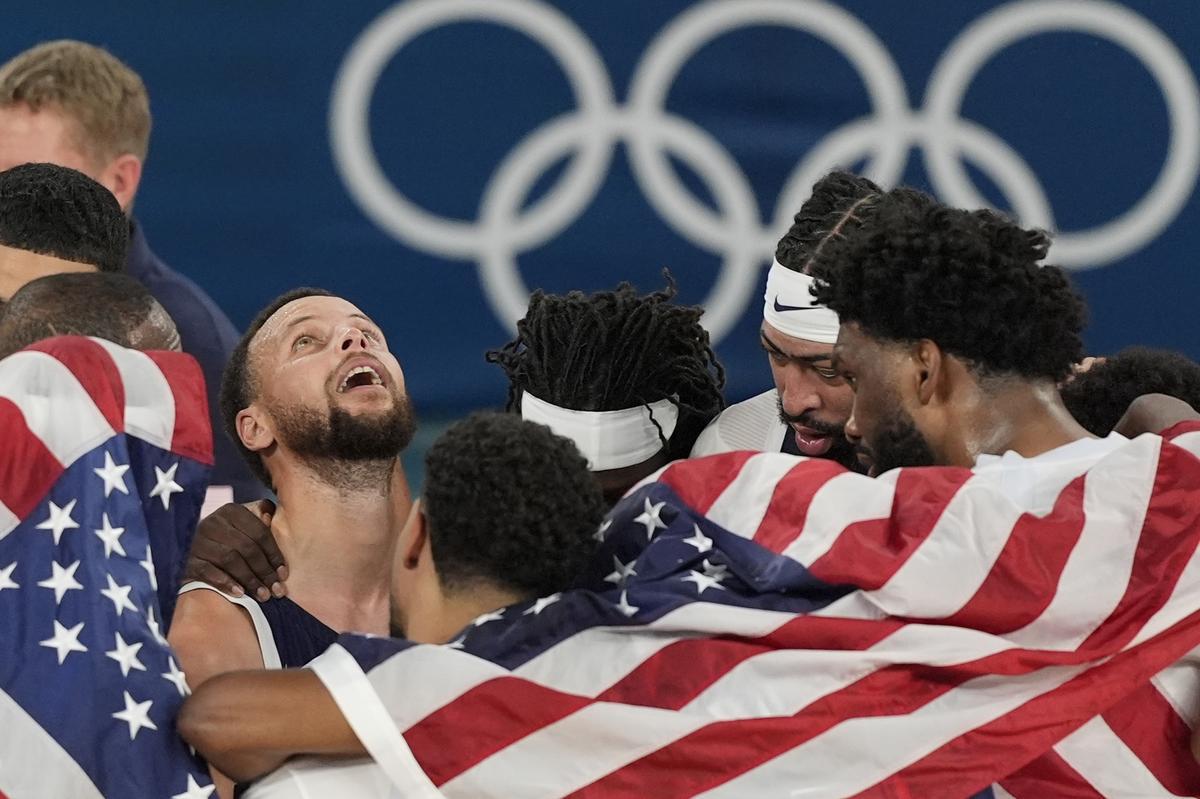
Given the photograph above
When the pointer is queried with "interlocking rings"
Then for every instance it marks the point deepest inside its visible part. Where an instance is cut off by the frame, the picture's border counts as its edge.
(651, 134)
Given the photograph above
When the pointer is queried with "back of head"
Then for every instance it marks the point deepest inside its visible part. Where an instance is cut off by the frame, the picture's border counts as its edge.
(56, 211)
(970, 281)
(832, 210)
(104, 99)
(114, 307)
(1099, 397)
(614, 350)
(509, 504)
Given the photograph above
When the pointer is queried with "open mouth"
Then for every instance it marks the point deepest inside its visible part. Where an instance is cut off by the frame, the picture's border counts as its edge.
(360, 377)
(813, 443)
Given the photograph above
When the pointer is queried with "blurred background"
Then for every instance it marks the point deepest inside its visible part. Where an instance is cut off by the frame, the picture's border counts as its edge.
(434, 160)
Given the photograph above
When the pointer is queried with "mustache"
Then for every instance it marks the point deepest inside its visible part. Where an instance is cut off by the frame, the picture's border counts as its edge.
(807, 419)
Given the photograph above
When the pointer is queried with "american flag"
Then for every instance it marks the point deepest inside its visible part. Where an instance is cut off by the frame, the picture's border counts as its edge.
(763, 625)
(102, 472)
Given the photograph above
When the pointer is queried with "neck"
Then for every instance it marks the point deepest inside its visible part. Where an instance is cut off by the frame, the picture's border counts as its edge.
(339, 537)
(1021, 416)
(449, 613)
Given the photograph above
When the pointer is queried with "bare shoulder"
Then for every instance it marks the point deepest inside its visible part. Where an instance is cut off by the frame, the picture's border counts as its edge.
(212, 635)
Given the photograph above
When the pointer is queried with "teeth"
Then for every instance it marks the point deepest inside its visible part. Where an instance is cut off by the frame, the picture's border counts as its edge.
(358, 370)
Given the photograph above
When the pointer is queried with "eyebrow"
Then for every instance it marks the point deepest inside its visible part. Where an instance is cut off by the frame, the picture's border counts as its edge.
(773, 347)
(301, 319)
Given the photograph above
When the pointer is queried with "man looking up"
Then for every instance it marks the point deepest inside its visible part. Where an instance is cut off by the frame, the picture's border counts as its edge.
(316, 403)
(806, 411)
(70, 103)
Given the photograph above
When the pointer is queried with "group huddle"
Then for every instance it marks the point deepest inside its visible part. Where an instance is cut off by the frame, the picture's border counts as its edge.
(946, 555)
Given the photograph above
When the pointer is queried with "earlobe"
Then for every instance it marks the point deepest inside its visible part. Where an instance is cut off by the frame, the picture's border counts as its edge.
(930, 362)
(254, 434)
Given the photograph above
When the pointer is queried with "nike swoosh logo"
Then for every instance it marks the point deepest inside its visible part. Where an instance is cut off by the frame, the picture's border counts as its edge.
(781, 308)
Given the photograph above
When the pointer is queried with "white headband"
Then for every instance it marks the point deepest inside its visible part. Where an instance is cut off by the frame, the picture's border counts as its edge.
(789, 307)
(608, 439)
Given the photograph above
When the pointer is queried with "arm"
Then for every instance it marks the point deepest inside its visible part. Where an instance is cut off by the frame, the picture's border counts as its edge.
(235, 552)
(1154, 413)
(248, 723)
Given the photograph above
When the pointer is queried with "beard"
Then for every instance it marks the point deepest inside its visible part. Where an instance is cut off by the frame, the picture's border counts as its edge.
(842, 451)
(899, 444)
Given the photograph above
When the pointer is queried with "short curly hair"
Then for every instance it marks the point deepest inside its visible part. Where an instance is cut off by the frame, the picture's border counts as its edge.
(57, 211)
(831, 212)
(614, 350)
(1099, 397)
(239, 385)
(509, 503)
(970, 281)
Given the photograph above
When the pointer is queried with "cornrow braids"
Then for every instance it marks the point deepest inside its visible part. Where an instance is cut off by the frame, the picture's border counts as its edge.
(613, 350)
(832, 210)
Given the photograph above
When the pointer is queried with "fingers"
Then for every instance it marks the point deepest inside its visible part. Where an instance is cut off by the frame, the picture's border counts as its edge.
(235, 551)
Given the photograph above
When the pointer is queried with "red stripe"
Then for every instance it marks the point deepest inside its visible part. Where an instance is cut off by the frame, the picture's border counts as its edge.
(193, 433)
(484, 720)
(1023, 580)
(788, 509)
(1049, 775)
(93, 367)
(28, 469)
(1175, 431)
(699, 482)
(866, 554)
(1151, 728)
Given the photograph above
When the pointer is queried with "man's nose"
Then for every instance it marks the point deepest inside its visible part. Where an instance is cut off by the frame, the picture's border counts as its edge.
(799, 393)
(353, 338)
(852, 432)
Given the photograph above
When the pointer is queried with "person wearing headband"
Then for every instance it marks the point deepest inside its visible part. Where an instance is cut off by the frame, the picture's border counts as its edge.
(805, 413)
(630, 378)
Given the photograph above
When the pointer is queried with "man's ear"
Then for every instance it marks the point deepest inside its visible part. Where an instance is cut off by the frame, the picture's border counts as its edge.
(931, 370)
(121, 177)
(253, 429)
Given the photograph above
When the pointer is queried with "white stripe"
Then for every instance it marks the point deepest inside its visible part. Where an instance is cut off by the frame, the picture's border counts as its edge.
(1116, 494)
(33, 763)
(573, 752)
(8, 521)
(1179, 684)
(844, 500)
(1104, 760)
(1000, 793)
(861, 752)
(149, 402)
(56, 407)
(1189, 442)
(262, 628)
(742, 505)
(356, 698)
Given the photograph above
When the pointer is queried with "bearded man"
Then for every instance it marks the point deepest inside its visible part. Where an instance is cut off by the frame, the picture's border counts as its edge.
(316, 403)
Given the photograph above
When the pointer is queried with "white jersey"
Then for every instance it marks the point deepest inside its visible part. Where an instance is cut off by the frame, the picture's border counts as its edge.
(753, 424)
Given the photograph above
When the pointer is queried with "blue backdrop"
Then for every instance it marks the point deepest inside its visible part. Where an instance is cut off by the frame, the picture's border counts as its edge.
(431, 159)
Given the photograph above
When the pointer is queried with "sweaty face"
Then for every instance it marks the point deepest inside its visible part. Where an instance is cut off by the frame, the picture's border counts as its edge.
(329, 384)
(881, 427)
(814, 400)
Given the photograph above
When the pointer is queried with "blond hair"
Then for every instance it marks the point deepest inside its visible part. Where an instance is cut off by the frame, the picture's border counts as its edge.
(104, 98)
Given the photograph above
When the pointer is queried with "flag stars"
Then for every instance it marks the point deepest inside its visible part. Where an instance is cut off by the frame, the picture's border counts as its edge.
(699, 540)
(152, 623)
(650, 518)
(195, 790)
(148, 565)
(126, 656)
(176, 677)
(60, 520)
(136, 715)
(113, 475)
(703, 581)
(624, 605)
(6, 580)
(111, 536)
(166, 485)
(61, 580)
(602, 530)
(495, 615)
(458, 643)
(119, 594)
(65, 641)
(622, 572)
(542, 604)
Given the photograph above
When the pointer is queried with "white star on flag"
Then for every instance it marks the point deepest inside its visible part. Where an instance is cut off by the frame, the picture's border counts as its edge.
(602, 530)
(195, 790)
(623, 571)
(152, 623)
(649, 517)
(624, 605)
(542, 604)
(699, 540)
(61, 580)
(136, 715)
(60, 520)
(704, 581)
(65, 641)
(119, 594)
(720, 571)
(457, 643)
(6, 580)
(166, 485)
(111, 536)
(126, 656)
(495, 615)
(113, 475)
(148, 565)
(176, 677)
